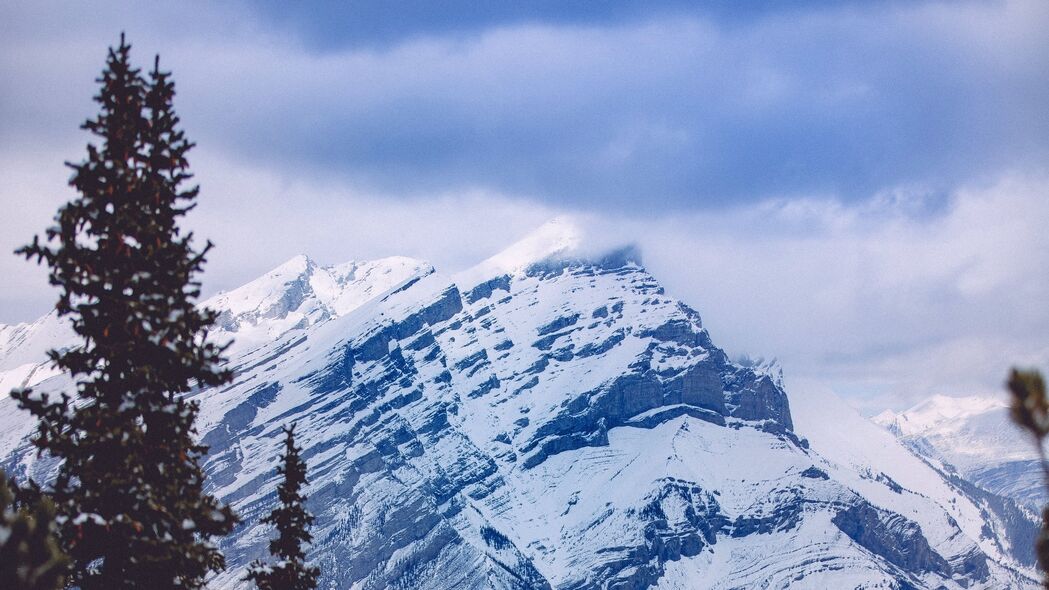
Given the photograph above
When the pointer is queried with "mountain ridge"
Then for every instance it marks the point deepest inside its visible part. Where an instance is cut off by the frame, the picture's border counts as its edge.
(974, 437)
(554, 419)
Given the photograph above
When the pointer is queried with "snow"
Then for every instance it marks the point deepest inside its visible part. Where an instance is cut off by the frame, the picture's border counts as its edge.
(300, 293)
(940, 411)
(975, 437)
(556, 237)
(91, 517)
(859, 450)
(28, 343)
(380, 435)
(970, 431)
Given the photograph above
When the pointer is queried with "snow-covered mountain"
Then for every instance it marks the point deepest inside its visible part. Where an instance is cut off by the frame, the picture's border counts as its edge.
(294, 296)
(299, 294)
(974, 437)
(23, 350)
(553, 420)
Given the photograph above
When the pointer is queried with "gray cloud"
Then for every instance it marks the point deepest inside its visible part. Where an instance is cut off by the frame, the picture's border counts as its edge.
(859, 192)
(640, 113)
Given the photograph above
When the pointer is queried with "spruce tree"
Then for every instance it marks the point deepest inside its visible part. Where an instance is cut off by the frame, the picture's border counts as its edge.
(29, 555)
(290, 571)
(129, 490)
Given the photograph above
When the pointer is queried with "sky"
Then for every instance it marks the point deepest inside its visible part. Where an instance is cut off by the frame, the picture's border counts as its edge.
(859, 189)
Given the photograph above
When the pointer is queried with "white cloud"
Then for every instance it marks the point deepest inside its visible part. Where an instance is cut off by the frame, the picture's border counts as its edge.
(259, 218)
(870, 297)
(884, 299)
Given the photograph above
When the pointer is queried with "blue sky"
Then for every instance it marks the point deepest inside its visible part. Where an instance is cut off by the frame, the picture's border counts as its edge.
(880, 164)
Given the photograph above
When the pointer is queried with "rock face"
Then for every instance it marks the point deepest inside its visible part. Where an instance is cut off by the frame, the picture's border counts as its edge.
(546, 420)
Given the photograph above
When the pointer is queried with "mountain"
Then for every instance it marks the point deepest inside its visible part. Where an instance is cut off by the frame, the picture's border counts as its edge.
(299, 294)
(974, 437)
(294, 296)
(23, 348)
(555, 419)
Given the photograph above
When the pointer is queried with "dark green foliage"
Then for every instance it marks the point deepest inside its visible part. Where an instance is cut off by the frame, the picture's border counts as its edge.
(1030, 409)
(290, 571)
(129, 492)
(29, 555)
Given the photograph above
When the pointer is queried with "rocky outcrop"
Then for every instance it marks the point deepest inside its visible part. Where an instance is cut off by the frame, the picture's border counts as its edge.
(893, 537)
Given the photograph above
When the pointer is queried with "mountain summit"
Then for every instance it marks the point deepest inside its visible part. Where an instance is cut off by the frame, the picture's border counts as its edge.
(550, 419)
(974, 437)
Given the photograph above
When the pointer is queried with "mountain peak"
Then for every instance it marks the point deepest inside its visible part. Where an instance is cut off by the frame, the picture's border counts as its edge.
(558, 236)
(577, 429)
(297, 264)
(300, 293)
(562, 238)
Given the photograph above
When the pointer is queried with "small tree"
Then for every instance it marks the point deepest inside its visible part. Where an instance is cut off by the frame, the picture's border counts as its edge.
(29, 555)
(1030, 409)
(290, 571)
(129, 489)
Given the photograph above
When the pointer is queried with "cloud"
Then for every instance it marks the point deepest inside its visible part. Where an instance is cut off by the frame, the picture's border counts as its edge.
(332, 25)
(859, 190)
(258, 218)
(868, 296)
(886, 300)
(663, 109)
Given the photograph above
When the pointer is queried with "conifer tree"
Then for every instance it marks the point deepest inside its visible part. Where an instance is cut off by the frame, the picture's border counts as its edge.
(129, 490)
(29, 555)
(292, 521)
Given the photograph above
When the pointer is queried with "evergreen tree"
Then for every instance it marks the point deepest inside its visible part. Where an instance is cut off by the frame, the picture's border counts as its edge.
(129, 491)
(290, 571)
(29, 555)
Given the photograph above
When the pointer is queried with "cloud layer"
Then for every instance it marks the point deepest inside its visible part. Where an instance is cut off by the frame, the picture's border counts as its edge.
(857, 188)
(666, 107)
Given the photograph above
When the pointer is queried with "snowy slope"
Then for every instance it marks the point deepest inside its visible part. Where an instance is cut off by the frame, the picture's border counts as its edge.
(23, 363)
(975, 437)
(554, 420)
(288, 300)
(299, 294)
(23, 350)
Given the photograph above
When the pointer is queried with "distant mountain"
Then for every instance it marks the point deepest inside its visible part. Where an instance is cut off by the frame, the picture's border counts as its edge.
(975, 437)
(299, 294)
(23, 350)
(549, 419)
